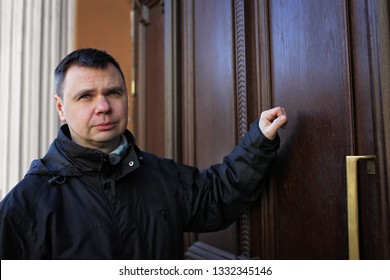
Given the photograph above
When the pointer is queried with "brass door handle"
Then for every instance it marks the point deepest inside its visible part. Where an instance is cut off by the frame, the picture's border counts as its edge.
(352, 202)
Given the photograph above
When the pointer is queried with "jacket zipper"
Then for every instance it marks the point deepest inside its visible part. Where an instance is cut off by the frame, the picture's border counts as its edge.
(100, 191)
(112, 184)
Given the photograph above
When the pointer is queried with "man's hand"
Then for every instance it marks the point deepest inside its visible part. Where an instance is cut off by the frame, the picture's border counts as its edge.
(271, 120)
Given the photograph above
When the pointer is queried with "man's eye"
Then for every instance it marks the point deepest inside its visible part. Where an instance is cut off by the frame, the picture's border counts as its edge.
(114, 92)
(85, 96)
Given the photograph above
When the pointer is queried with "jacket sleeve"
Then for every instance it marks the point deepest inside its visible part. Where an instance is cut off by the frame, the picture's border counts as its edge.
(212, 199)
(10, 246)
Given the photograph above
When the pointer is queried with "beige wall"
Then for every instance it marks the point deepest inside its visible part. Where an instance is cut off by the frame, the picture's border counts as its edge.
(105, 24)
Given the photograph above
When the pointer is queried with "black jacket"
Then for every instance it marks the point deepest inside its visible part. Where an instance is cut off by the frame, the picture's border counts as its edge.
(73, 204)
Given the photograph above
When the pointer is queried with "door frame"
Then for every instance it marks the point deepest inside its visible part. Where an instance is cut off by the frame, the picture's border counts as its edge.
(379, 26)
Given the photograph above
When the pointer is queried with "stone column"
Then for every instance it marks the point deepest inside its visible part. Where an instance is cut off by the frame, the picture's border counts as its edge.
(34, 36)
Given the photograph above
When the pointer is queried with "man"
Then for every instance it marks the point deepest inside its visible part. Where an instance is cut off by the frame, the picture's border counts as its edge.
(95, 195)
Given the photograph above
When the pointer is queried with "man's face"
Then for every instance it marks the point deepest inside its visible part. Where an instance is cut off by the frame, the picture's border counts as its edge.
(94, 105)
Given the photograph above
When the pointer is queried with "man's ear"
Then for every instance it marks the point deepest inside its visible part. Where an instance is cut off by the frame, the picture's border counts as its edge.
(60, 108)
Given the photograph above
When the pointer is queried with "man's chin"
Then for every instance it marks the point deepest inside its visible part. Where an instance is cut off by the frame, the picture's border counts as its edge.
(108, 136)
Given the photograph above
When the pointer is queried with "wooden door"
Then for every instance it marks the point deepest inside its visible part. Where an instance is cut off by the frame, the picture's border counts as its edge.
(327, 63)
(319, 60)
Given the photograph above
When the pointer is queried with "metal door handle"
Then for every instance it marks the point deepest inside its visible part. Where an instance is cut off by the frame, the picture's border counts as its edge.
(352, 202)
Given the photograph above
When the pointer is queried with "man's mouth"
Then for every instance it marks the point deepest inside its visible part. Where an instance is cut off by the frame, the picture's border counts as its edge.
(105, 126)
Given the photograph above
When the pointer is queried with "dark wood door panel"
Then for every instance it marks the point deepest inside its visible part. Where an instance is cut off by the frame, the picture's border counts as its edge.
(154, 81)
(149, 93)
(215, 127)
(311, 78)
(316, 59)
(371, 232)
(214, 81)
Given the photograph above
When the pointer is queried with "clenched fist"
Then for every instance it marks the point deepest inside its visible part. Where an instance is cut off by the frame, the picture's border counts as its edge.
(271, 120)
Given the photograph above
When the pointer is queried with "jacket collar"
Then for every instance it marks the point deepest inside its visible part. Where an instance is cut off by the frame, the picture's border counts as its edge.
(66, 158)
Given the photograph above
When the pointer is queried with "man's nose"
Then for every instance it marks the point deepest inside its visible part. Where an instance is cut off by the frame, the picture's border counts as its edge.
(103, 105)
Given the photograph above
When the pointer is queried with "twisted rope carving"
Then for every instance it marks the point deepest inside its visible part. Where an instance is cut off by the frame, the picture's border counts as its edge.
(241, 107)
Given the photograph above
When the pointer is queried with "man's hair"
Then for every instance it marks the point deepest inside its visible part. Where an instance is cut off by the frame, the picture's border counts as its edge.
(87, 57)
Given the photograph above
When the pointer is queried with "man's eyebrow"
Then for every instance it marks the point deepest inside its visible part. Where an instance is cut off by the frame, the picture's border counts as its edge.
(114, 88)
(92, 90)
(82, 92)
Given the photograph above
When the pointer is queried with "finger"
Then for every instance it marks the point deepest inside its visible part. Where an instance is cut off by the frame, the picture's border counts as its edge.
(286, 120)
(270, 115)
(276, 124)
(274, 113)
